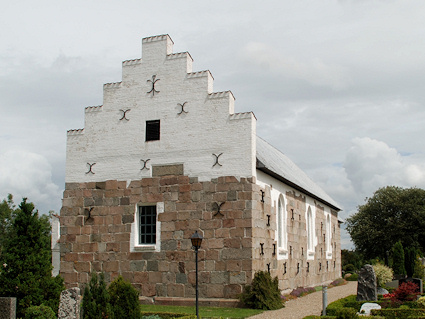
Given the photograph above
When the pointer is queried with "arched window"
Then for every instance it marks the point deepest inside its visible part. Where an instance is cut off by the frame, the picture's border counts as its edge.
(281, 225)
(310, 230)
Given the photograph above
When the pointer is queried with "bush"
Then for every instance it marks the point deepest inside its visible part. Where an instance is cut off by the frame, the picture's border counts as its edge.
(409, 260)
(263, 293)
(421, 302)
(124, 299)
(39, 312)
(419, 269)
(347, 302)
(346, 313)
(166, 315)
(397, 313)
(301, 291)
(338, 282)
(383, 274)
(407, 291)
(349, 268)
(353, 277)
(96, 299)
(398, 259)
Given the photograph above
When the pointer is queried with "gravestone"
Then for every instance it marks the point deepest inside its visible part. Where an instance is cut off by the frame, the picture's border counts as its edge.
(366, 284)
(417, 281)
(69, 305)
(367, 307)
(382, 291)
(7, 308)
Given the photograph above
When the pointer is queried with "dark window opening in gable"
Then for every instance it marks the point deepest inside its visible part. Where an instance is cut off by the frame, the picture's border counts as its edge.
(152, 130)
(147, 226)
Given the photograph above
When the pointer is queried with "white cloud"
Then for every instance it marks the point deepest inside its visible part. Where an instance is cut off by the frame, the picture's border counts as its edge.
(314, 71)
(371, 164)
(27, 174)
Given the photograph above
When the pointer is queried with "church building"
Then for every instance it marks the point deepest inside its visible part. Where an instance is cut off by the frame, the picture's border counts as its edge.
(166, 156)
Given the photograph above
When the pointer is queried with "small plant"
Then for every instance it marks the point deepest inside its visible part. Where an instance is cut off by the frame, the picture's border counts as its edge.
(263, 293)
(39, 312)
(96, 299)
(383, 274)
(407, 291)
(338, 282)
(353, 277)
(124, 299)
(421, 302)
(301, 291)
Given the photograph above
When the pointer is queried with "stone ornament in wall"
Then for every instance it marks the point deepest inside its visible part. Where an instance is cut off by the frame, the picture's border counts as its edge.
(124, 113)
(216, 159)
(88, 210)
(153, 81)
(182, 108)
(90, 168)
(144, 164)
(219, 209)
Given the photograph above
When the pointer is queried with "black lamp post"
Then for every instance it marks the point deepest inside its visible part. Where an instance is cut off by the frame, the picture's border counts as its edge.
(196, 244)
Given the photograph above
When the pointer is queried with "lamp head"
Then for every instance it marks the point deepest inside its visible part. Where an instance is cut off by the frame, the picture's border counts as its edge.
(196, 239)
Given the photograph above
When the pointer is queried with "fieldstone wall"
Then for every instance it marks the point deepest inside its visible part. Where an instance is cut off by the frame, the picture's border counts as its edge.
(296, 270)
(96, 220)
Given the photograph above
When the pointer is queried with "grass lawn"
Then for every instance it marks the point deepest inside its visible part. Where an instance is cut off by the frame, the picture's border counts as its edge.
(205, 312)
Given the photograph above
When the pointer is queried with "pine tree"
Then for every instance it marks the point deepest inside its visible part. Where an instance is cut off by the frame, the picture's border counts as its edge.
(410, 260)
(398, 259)
(26, 267)
(96, 299)
(124, 299)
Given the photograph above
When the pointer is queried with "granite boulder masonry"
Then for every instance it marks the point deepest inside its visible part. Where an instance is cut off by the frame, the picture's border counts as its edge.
(165, 156)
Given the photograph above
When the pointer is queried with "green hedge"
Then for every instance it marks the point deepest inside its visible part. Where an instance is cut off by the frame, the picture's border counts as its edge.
(347, 302)
(398, 313)
(168, 315)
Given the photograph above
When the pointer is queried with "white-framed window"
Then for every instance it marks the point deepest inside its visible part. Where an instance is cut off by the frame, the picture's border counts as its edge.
(310, 233)
(282, 234)
(146, 229)
(328, 237)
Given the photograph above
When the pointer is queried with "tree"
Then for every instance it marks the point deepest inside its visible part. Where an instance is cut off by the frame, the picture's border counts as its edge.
(391, 214)
(7, 214)
(410, 256)
(96, 299)
(26, 267)
(124, 299)
(398, 259)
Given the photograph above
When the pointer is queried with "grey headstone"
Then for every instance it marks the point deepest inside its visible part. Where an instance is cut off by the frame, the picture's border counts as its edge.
(7, 308)
(69, 305)
(381, 291)
(367, 307)
(366, 284)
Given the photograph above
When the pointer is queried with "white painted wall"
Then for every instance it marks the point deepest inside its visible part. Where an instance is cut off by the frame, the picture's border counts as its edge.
(210, 126)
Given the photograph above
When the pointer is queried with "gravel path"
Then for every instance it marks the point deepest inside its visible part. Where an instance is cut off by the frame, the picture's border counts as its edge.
(310, 304)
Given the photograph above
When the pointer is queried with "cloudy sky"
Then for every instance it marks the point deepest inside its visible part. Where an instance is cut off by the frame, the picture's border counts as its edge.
(338, 86)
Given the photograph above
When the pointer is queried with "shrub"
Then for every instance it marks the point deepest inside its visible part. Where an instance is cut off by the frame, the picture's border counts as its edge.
(407, 291)
(124, 299)
(398, 313)
(419, 269)
(301, 291)
(398, 259)
(409, 260)
(39, 312)
(338, 282)
(96, 299)
(346, 313)
(353, 277)
(349, 268)
(421, 302)
(263, 293)
(383, 274)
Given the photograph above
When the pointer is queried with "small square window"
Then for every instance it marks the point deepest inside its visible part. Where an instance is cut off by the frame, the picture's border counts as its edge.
(152, 130)
(147, 227)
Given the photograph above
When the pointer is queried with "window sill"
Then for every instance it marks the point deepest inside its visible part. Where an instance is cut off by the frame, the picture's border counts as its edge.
(145, 248)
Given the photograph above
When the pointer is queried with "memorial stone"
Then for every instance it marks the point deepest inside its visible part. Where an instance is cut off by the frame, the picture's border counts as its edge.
(416, 281)
(367, 307)
(69, 305)
(7, 308)
(366, 284)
